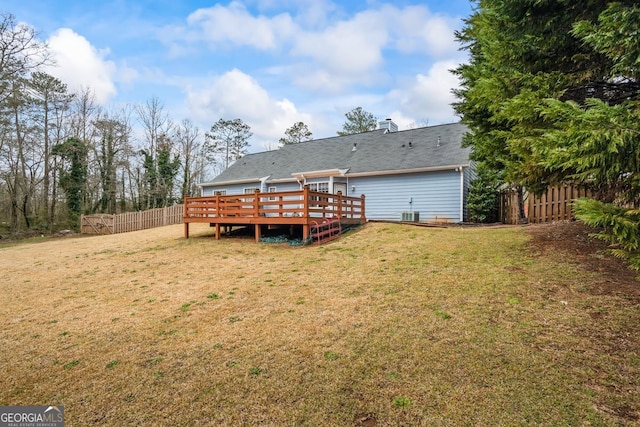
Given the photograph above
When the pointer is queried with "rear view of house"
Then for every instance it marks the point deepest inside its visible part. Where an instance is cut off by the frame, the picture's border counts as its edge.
(420, 174)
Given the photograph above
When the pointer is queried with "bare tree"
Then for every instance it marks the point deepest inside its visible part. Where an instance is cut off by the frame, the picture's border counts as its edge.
(114, 133)
(21, 162)
(187, 137)
(20, 52)
(158, 129)
(51, 102)
(85, 113)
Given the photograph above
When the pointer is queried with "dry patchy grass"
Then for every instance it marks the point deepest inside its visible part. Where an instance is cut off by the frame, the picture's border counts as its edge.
(389, 325)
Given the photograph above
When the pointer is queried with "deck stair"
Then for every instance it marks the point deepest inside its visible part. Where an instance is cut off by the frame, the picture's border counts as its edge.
(325, 230)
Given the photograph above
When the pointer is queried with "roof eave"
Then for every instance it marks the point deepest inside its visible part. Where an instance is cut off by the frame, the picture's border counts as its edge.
(230, 182)
(407, 171)
(281, 180)
(320, 173)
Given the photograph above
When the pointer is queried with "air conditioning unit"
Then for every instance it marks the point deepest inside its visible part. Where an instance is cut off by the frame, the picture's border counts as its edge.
(410, 216)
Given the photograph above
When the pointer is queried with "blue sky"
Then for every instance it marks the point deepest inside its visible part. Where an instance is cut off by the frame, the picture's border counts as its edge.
(271, 63)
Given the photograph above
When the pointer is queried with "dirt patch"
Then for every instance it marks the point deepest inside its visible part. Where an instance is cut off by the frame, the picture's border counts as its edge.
(573, 238)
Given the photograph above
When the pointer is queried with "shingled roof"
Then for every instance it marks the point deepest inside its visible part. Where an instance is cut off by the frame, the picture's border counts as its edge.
(377, 151)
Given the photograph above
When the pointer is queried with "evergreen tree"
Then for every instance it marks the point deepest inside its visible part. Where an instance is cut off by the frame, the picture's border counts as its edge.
(551, 94)
(227, 138)
(73, 175)
(358, 121)
(297, 133)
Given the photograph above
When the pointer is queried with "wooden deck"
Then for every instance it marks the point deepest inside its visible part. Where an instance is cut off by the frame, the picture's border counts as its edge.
(293, 208)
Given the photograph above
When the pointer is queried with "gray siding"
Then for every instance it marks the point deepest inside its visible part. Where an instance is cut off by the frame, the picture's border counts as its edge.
(239, 188)
(230, 189)
(435, 195)
(285, 186)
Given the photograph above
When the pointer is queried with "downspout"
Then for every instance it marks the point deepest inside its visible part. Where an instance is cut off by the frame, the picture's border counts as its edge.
(461, 193)
(263, 183)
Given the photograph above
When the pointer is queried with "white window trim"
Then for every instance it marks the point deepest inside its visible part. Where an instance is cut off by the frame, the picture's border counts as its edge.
(272, 189)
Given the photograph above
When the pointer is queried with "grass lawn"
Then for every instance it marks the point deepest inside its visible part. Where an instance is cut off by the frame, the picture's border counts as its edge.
(389, 325)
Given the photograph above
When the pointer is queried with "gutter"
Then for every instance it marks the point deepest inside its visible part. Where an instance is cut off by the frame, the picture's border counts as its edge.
(320, 173)
(461, 194)
(237, 181)
(406, 171)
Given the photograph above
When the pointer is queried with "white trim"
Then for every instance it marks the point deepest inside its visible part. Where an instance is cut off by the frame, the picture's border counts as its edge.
(406, 171)
(302, 176)
(321, 173)
(272, 189)
(237, 181)
(253, 190)
(282, 180)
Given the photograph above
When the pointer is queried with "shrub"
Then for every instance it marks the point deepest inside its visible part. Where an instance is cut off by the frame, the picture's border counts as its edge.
(618, 226)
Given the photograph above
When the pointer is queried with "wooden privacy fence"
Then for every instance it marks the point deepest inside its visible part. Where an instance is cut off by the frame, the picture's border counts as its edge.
(554, 205)
(131, 221)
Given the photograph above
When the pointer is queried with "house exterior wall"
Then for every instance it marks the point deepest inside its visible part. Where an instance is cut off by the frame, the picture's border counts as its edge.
(230, 189)
(285, 186)
(239, 188)
(435, 195)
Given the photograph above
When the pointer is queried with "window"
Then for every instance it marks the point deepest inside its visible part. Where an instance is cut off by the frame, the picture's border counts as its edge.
(322, 187)
(220, 193)
(272, 190)
(250, 190)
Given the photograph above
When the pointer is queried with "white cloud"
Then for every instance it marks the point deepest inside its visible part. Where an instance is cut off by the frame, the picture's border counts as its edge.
(238, 95)
(235, 24)
(346, 52)
(329, 52)
(428, 96)
(415, 29)
(79, 64)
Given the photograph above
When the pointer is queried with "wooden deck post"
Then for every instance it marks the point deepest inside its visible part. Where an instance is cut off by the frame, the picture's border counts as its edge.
(305, 204)
(257, 233)
(256, 203)
(226, 211)
(184, 217)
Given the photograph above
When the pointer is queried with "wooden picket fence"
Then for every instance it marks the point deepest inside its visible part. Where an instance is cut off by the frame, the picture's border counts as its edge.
(131, 221)
(554, 205)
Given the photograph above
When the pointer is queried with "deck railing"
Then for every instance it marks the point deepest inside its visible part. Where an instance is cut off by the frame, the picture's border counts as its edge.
(303, 204)
(275, 208)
